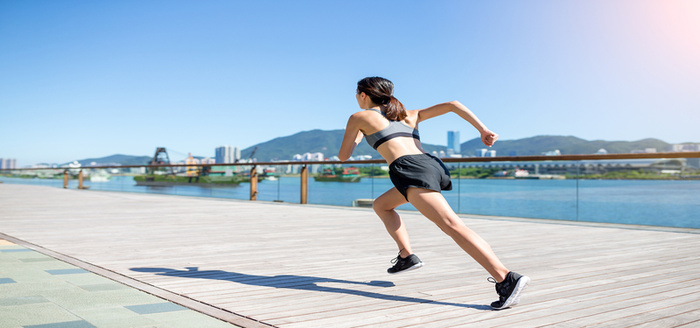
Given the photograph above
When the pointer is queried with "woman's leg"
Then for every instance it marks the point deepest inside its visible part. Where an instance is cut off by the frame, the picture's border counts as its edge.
(434, 206)
(384, 206)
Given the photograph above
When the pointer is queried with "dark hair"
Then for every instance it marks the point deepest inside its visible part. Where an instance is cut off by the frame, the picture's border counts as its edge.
(380, 91)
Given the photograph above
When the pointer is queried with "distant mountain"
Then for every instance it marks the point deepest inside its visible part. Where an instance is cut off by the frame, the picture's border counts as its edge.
(116, 159)
(567, 145)
(328, 143)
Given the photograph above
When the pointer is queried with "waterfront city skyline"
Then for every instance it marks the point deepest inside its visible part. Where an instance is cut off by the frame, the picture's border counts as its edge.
(85, 80)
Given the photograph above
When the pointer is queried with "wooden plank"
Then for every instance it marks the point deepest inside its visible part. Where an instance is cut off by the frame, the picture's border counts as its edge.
(686, 311)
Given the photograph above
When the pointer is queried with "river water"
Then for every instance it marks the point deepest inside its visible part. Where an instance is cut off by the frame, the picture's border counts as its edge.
(646, 202)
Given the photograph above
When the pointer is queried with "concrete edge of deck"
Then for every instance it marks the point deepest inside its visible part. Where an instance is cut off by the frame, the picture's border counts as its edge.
(213, 311)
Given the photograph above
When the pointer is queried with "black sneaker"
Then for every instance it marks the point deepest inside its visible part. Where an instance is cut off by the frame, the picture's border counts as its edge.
(509, 290)
(409, 263)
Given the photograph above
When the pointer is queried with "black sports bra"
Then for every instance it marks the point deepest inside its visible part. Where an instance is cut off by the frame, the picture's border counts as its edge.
(395, 129)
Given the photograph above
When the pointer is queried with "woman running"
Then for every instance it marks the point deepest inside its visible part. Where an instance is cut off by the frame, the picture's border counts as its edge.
(418, 178)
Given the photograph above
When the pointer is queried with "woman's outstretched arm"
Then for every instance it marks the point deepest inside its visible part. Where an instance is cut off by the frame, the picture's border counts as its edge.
(488, 137)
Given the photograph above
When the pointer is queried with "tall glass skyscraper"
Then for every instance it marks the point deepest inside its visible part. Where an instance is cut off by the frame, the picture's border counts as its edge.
(8, 163)
(453, 142)
(227, 154)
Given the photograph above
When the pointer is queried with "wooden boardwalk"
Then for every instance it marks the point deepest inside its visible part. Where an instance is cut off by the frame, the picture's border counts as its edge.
(260, 264)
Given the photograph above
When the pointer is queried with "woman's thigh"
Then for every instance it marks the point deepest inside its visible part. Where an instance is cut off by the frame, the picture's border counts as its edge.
(433, 205)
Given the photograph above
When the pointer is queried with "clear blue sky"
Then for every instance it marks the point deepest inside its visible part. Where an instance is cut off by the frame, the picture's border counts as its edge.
(82, 79)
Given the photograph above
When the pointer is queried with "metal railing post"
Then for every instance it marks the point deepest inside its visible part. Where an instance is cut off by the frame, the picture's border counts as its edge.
(372, 170)
(578, 178)
(459, 187)
(80, 179)
(253, 184)
(304, 184)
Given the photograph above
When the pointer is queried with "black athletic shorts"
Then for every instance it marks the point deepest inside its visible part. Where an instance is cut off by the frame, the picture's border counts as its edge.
(420, 171)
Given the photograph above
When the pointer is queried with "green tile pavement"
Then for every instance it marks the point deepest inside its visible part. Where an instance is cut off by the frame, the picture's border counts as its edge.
(38, 291)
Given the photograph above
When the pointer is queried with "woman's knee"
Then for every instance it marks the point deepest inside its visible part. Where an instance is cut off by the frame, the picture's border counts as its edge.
(381, 207)
(376, 206)
(388, 201)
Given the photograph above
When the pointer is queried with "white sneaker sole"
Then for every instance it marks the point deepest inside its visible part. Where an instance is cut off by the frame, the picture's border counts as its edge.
(415, 266)
(514, 298)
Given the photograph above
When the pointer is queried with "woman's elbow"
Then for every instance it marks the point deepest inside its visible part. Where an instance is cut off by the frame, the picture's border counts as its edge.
(345, 152)
(343, 155)
(455, 103)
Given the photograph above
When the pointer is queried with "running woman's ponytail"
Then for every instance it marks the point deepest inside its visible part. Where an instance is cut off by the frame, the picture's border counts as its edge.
(380, 91)
(394, 110)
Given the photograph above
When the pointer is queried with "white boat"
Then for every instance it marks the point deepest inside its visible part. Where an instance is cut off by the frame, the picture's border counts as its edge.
(99, 176)
(74, 168)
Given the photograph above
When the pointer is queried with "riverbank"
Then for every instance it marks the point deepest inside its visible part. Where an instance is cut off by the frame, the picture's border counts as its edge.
(453, 176)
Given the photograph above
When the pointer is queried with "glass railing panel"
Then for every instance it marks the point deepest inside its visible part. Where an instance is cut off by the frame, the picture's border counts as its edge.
(517, 190)
(280, 188)
(655, 192)
(277, 183)
(453, 196)
(105, 179)
(343, 184)
(52, 178)
(117, 182)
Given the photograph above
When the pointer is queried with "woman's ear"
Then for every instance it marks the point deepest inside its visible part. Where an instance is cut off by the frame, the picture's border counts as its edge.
(362, 99)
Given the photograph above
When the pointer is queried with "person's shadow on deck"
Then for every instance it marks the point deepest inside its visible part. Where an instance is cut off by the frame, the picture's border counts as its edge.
(299, 283)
